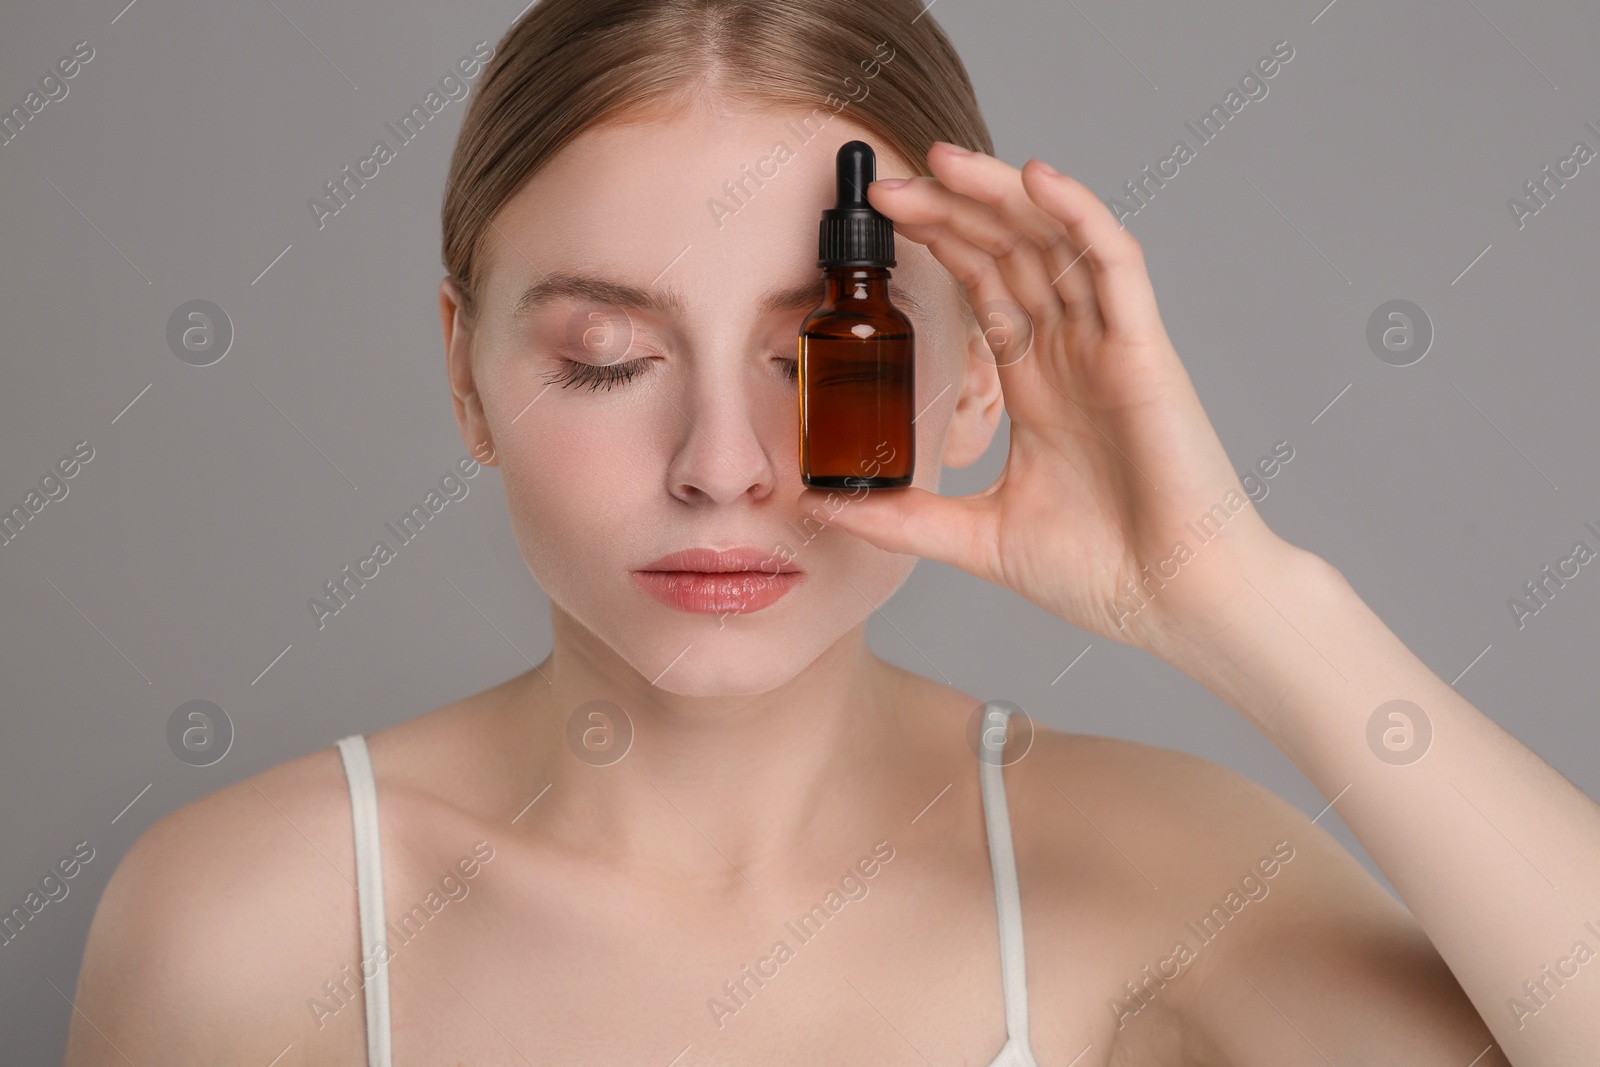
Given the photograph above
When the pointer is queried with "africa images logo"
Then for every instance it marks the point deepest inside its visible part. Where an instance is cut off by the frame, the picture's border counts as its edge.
(455, 84)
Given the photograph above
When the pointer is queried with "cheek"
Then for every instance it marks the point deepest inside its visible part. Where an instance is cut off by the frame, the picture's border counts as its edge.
(575, 485)
(834, 555)
(852, 579)
(941, 371)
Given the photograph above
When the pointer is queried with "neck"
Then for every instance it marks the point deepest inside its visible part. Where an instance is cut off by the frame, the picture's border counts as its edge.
(714, 787)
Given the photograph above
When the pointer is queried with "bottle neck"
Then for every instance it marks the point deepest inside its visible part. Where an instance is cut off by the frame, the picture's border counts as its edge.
(857, 283)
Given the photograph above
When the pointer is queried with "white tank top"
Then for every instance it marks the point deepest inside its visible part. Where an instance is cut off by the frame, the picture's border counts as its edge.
(1016, 1052)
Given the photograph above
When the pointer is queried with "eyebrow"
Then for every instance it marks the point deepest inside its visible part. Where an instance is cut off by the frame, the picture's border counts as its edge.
(565, 285)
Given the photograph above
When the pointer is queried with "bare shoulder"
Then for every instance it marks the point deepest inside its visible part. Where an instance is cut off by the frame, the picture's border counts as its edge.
(221, 921)
(1257, 931)
(1181, 814)
(230, 929)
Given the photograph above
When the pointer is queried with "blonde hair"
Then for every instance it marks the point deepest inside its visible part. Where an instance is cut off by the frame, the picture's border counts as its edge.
(568, 65)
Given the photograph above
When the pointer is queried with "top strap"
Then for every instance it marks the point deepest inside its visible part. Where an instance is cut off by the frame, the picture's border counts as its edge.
(997, 825)
(369, 895)
(1002, 861)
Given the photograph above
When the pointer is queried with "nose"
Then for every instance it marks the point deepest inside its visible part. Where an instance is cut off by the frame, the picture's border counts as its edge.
(725, 447)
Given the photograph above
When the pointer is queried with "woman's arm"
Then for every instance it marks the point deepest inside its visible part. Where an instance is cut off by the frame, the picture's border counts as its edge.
(1495, 853)
(1112, 462)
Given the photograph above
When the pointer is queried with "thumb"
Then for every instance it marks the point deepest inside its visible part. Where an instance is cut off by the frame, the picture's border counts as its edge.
(910, 521)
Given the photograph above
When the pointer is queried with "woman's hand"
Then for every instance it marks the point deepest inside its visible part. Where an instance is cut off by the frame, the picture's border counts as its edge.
(1117, 509)
(1113, 469)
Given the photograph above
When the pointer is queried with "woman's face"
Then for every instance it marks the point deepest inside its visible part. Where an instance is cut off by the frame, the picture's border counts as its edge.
(683, 252)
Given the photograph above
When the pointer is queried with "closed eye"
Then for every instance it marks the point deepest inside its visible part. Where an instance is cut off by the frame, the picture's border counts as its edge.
(595, 376)
(605, 376)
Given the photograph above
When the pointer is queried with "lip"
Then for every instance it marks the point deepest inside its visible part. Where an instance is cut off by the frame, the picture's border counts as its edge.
(708, 560)
(711, 581)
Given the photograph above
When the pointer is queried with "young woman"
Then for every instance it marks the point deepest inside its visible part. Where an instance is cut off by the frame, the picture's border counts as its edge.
(713, 827)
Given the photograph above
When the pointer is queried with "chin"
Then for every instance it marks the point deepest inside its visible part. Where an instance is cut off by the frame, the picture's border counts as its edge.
(738, 660)
(703, 655)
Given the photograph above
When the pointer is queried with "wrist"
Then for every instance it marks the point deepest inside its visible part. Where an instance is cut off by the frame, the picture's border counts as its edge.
(1253, 636)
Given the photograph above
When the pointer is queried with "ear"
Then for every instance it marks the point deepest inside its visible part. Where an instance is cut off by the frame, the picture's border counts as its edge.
(978, 406)
(458, 366)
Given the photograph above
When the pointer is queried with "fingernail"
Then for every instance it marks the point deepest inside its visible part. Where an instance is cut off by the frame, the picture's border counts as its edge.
(889, 183)
(957, 149)
(1048, 169)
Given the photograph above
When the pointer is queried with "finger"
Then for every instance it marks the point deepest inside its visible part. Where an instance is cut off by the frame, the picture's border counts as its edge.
(1116, 261)
(926, 201)
(1025, 396)
(915, 522)
(997, 183)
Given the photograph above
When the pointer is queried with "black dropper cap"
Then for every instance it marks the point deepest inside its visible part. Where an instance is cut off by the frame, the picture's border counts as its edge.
(853, 233)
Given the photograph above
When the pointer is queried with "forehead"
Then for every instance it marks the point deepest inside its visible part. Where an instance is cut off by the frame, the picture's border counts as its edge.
(714, 205)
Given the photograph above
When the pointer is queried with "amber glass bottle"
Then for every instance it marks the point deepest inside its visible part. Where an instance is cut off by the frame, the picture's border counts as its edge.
(856, 350)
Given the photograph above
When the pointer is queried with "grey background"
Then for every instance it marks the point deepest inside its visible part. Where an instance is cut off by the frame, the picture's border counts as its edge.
(178, 567)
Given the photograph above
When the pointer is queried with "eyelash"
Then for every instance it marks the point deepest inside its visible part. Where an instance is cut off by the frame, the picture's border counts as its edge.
(597, 376)
(594, 376)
